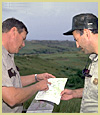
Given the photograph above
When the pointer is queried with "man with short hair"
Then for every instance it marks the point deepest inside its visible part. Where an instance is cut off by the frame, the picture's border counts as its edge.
(14, 33)
(85, 32)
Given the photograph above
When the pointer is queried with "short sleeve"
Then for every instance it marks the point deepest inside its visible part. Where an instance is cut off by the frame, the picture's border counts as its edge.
(6, 80)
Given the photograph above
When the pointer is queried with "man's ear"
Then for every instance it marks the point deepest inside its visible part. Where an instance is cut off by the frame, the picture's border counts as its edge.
(87, 33)
(13, 31)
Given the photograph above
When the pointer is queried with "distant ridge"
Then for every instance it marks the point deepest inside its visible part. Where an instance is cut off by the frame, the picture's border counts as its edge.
(47, 47)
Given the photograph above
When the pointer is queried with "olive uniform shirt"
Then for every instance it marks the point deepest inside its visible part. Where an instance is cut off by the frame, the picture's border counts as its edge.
(90, 94)
(10, 78)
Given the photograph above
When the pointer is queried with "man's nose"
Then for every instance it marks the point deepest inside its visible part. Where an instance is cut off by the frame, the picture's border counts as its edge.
(23, 44)
(77, 44)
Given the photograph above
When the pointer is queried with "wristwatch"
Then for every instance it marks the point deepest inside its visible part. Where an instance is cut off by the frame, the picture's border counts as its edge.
(36, 77)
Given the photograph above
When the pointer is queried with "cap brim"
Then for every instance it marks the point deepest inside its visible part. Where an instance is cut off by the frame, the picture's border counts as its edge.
(68, 33)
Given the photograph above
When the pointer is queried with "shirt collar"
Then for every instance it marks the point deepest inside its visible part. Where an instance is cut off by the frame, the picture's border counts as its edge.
(94, 57)
(6, 53)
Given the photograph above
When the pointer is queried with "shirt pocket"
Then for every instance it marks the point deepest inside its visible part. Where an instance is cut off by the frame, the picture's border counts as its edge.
(11, 73)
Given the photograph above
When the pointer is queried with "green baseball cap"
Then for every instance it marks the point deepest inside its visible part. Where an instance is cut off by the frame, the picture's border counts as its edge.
(83, 21)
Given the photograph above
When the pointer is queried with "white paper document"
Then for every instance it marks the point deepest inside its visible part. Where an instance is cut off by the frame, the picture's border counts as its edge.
(53, 94)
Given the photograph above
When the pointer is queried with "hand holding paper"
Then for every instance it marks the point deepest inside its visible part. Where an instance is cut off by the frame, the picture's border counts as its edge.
(53, 94)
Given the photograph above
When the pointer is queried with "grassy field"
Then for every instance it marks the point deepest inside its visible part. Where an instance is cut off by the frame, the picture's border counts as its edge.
(61, 64)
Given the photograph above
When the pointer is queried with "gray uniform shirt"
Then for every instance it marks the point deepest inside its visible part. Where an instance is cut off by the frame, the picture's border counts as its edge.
(10, 78)
(90, 94)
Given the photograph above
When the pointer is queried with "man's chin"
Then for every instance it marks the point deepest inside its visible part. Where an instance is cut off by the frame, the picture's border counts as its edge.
(84, 51)
(17, 51)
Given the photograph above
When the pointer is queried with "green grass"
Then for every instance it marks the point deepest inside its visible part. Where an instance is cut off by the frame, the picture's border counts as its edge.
(70, 106)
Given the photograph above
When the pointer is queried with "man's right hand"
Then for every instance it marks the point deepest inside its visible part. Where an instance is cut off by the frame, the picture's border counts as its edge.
(43, 85)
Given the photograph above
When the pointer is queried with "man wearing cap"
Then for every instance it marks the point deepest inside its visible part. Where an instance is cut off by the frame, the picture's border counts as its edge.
(85, 32)
(14, 94)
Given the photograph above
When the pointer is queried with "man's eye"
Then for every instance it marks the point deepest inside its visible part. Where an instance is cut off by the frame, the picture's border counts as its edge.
(75, 39)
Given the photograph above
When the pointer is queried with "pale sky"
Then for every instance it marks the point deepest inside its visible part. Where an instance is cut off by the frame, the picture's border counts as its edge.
(47, 20)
